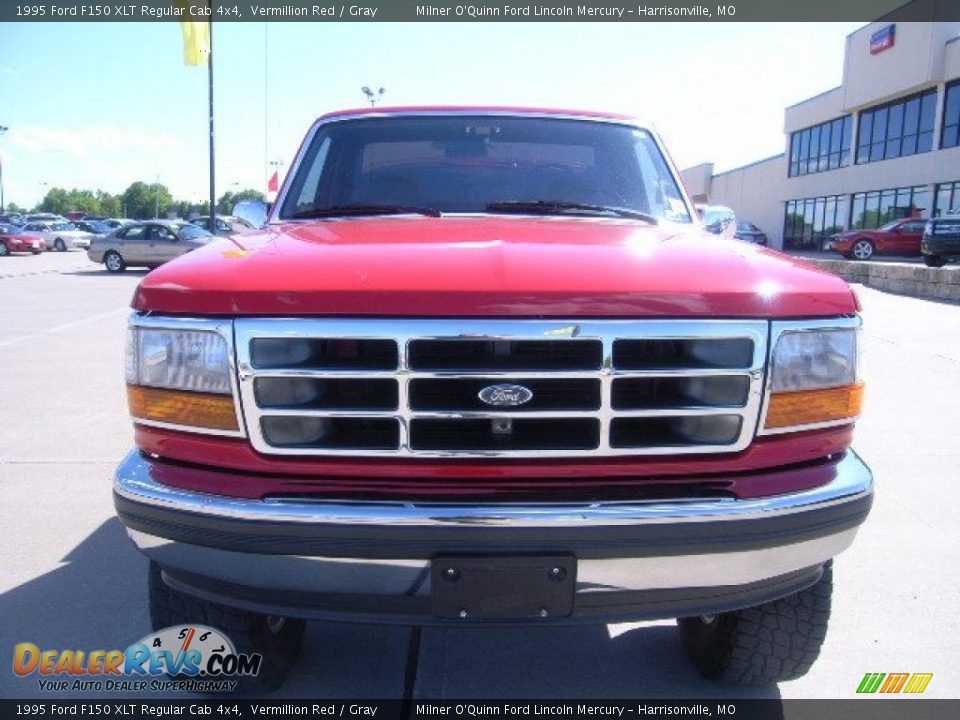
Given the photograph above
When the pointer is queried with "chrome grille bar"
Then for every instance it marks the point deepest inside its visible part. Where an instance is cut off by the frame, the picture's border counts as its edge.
(405, 331)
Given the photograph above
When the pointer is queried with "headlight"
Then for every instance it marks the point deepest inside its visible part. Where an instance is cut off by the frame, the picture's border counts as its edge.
(180, 377)
(814, 378)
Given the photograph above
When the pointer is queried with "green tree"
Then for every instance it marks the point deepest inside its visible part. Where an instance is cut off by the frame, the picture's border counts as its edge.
(229, 199)
(14, 208)
(142, 201)
(110, 205)
(83, 201)
(55, 201)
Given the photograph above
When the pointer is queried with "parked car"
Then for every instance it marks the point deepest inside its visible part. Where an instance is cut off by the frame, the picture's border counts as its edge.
(225, 223)
(500, 376)
(94, 227)
(941, 239)
(115, 223)
(718, 220)
(13, 241)
(44, 217)
(59, 236)
(146, 244)
(749, 232)
(12, 218)
(899, 237)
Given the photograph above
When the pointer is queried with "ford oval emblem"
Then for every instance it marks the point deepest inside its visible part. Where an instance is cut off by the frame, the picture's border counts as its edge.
(505, 395)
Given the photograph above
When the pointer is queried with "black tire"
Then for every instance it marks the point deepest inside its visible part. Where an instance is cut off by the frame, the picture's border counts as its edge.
(277, 640)
(867, 249)
(59, 245)
(779, 640)
(113, 262)
(934, 261)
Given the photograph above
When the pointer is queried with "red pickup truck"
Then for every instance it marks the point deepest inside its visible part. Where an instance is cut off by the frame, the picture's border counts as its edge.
(483, 366)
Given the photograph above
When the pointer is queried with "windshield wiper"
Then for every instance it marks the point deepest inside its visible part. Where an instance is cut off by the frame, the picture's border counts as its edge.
(560, 207)
(347, 210)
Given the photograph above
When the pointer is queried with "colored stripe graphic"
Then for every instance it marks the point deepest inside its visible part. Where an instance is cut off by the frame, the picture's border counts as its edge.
(914, 683)
(918, 682)
(894, 682)
(870, 682)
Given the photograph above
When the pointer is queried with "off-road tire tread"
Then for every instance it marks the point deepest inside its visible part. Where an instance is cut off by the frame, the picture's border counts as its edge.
(779, 640)
(247, 630)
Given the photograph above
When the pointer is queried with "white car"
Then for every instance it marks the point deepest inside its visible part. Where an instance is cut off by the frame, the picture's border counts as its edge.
(59, 236)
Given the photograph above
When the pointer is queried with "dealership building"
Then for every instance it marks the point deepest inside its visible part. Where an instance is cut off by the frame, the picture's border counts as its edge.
(883, 145)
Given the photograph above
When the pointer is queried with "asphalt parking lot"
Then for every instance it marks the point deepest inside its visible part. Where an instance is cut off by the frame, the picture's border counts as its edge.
(71, 579)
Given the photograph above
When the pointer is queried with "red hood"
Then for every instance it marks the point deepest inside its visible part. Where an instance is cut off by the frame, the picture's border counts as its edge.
(483, 266)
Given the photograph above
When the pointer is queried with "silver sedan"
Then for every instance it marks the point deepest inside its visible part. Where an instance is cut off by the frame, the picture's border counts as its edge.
(146, 244)
(59, 236)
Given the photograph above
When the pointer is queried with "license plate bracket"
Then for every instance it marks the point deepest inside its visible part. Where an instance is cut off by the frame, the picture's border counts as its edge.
(503, 588)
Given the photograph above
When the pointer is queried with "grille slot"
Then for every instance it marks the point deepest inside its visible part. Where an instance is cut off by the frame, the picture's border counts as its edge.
(692, 391)
(674, 431)
(464, 394)
(326, 394)
(697, 353)
(331, 433)
(326, 353)
(412, 388)
(526, 434)
(506, 354)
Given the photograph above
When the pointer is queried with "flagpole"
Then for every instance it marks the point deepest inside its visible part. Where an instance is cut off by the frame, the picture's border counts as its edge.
(213, 192)
(266, 166)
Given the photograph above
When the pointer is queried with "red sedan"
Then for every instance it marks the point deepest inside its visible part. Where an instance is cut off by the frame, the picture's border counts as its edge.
(900, 237)
(11, 241)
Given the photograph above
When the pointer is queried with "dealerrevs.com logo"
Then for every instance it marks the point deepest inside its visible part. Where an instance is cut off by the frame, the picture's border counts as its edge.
(193, 658)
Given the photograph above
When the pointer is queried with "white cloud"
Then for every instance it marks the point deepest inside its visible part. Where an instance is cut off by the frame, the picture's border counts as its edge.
(90, 140)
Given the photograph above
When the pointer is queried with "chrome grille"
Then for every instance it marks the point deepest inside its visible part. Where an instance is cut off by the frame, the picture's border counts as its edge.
(412, 387)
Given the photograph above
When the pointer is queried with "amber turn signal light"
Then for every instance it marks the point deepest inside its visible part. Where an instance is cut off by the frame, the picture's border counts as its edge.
(806, 407)
(179, 407)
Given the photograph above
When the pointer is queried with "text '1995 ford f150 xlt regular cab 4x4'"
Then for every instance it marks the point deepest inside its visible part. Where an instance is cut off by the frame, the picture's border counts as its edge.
(482, 367)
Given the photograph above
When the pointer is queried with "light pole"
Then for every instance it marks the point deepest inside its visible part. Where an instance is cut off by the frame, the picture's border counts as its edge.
(3, 207)
(372, 96)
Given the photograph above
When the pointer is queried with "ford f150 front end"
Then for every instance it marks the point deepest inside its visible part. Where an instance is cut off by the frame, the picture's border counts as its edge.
(485, 367)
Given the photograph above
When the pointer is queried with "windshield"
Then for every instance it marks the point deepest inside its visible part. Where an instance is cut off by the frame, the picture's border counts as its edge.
(716, 215)
(889, 226)
(188, 232)
(483, 164)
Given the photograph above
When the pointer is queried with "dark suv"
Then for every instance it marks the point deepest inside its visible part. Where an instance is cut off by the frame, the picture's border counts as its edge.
(941, 239)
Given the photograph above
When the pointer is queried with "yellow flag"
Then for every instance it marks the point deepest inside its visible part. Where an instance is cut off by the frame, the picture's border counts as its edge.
(196, 42)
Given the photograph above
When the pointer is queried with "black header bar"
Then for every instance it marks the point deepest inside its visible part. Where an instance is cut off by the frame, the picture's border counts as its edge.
(478, 11)
(278, 708)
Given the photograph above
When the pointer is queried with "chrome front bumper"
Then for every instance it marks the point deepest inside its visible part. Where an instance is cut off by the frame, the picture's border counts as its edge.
(371, 560)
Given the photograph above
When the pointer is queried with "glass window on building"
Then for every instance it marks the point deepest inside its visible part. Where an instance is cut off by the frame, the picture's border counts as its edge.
(897, 129)
(809, 223)
(875, 208)
(950, 136)
(821, 147)
(947, 198)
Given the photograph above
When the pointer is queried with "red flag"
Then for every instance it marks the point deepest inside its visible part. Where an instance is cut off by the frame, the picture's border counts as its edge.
(273, 184)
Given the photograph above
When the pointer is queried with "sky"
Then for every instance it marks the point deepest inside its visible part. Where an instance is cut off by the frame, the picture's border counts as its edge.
(98, 106)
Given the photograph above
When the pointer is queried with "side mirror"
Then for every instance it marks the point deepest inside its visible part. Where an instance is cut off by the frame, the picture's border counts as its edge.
(254, 212)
